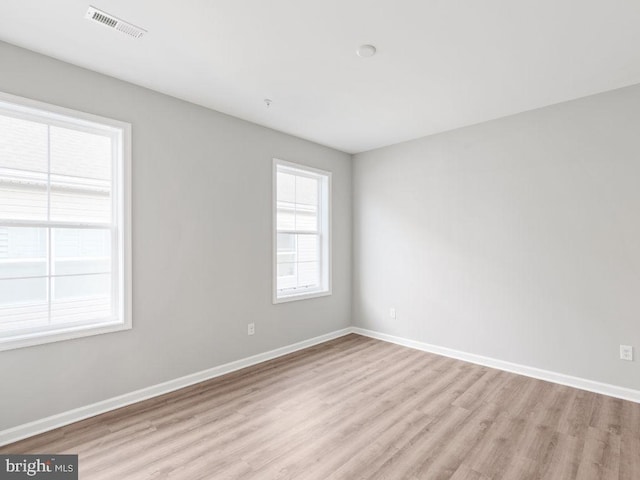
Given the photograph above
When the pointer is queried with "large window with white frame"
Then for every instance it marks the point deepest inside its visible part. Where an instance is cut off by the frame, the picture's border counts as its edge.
(302, 242)
(65, 266)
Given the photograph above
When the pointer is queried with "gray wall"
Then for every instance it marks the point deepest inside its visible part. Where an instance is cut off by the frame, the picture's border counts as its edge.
(517, 239)
(201, 246)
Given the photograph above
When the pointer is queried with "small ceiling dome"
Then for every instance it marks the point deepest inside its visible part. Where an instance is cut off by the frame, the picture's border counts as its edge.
(366, 51)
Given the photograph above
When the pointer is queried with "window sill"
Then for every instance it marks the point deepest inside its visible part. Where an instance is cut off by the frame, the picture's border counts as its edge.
(39, 338)
(300, 296)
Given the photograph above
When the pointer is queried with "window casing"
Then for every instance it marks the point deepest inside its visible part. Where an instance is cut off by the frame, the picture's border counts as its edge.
(65, 267)
(301, 232)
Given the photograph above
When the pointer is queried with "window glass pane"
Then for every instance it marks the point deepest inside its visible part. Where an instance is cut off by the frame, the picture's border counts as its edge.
(287, 270)
(80, 298)
(286, 248)
(81, 251)
(23, 144)
(74, 200)
(286, 242)
(298, 258)
(22, 291)
(81, 287)
(16, 318)
(308, 248)
(23, 304)
(286, 187)
(286, 257)
(80, 154)
(286, 216)
(306, 190)
(23, 252)
(306, 217)
(80, 176)
(23, 199)
(287, 276)
(308, 274)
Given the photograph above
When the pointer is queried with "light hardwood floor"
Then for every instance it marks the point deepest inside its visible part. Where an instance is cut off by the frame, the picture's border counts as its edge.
(357, 408)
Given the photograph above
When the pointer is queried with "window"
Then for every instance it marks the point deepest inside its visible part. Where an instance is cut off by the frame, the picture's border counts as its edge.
(302, 219)
(64, 224)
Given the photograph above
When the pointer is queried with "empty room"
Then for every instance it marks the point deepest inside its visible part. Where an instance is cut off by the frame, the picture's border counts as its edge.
(344, 240)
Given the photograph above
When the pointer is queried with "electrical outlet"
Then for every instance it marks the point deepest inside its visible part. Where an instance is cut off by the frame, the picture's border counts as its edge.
(392, 313)
(626, 352)
(251, 329)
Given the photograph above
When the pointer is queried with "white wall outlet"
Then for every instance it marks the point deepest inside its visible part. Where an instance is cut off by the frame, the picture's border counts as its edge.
(626, 352)
(392, 313)
(251, 329)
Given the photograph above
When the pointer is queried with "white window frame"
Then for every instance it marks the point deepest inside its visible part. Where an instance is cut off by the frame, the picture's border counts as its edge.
(120, 226)
(324, 215)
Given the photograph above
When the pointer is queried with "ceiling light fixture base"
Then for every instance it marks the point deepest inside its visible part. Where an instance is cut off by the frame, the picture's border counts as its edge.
(366, 51)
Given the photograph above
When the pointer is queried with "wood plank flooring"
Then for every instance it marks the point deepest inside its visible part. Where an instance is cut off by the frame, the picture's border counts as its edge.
(359, 408)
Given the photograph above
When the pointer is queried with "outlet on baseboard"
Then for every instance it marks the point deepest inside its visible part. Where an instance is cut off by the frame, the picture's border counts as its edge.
(251, 329)
(626, 352)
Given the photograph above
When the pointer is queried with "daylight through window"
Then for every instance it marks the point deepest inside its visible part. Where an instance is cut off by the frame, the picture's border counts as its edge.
(302, 219)
(63, 223)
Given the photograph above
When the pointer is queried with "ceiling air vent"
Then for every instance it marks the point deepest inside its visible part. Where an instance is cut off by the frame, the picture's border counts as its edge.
(110, 21)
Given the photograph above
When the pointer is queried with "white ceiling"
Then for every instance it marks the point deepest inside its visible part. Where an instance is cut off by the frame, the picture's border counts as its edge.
(441, 64)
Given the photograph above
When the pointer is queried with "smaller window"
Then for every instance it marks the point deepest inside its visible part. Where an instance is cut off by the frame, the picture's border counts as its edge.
(302, 218)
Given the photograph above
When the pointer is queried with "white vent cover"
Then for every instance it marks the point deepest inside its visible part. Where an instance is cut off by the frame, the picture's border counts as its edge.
(110, 21)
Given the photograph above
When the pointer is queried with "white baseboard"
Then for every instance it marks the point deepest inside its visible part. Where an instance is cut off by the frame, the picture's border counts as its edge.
(55, 421)
(20, 432)
(562, 379)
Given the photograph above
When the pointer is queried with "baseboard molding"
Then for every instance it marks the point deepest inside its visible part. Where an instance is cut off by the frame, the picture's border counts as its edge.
(562, 379)
(21, 432)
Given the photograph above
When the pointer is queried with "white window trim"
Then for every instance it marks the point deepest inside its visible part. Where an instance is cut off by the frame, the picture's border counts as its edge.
(122, 205)
(328, 234)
